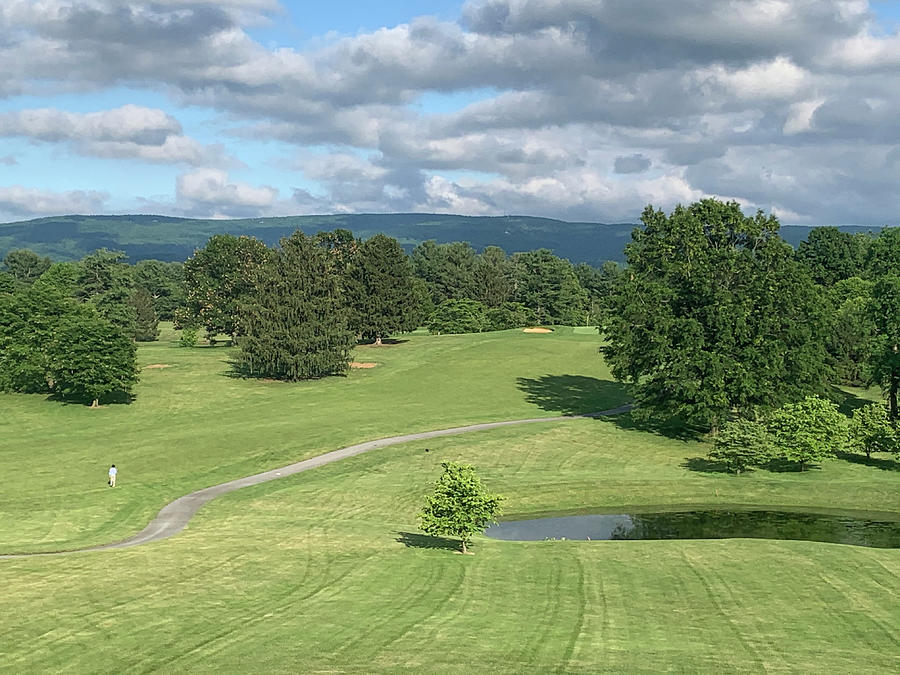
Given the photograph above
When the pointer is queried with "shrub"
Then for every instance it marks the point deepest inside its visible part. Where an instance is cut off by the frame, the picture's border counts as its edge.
(458, 316)
(742, 443)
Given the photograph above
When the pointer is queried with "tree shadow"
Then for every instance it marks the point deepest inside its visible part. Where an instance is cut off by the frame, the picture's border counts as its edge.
(572, 394)
(370, 342)
(114, 398)
(411, 540)
(707, 465)
(848, 401)
(876, 462)
(673, 427)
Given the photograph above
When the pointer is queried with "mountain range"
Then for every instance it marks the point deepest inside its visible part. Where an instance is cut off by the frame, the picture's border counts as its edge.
(167, 238)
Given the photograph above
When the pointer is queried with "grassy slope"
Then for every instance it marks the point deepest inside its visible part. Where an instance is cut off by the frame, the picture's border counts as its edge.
(323, 571)
(192, 425)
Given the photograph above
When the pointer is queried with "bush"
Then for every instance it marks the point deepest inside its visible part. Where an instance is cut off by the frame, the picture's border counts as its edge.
(458, 316)
(742, 443)
(870, 430)
(808, 431)
(189, 337)
(509, 315)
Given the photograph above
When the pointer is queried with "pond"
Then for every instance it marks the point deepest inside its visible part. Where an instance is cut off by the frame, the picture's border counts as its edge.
(855, 529)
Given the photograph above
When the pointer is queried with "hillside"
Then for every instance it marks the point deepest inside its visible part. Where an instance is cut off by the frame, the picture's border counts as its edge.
(166, 238)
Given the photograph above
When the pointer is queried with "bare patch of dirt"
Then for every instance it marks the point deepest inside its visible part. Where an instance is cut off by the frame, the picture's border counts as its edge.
(357, 364)
(157, 366)
(537, 330)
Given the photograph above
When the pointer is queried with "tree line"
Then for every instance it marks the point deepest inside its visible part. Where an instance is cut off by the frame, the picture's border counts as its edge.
(716, 320)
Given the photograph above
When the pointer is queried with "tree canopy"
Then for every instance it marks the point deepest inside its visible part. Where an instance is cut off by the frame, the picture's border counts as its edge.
(713, 315)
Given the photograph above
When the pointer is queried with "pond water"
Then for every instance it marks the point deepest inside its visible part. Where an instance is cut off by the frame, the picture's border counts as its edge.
(706, 524)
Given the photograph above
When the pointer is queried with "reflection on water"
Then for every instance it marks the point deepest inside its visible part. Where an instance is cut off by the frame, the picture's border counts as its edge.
(707, 524)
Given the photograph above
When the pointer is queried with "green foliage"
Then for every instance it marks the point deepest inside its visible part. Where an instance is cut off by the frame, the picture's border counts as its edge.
(870, 430)
(883, 257)
(25, 266)
(508, 315)
(458, 316)
(380, 289)
(712, 315)
(91, 358)
(164, 281)
(104, 280)
(295, 322)
(547, 285)
(460, 505)
(146, 326)
(851, 329)
(885, 346)
(448, 269)
(189, 337)
(831, 255)
(7, 283)
(808, 431)
(492, 277)
(218, 280)
(742, 443)
(63, 276)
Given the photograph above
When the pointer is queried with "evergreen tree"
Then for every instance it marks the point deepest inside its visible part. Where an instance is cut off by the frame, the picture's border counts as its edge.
(381, 292)
(547, 285)
(164, 281)
(448, 269)
(492, 277)
(146, 326)
(885, 354)
(295, 323)
(460, 506)
(91, 358)
(104, 280)
(218, 280)
(713, 315)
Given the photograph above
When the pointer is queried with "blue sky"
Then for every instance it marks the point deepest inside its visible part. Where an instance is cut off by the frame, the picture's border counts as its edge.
(563, 109)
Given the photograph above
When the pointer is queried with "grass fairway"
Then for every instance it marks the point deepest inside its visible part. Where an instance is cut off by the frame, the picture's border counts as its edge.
(324, 571)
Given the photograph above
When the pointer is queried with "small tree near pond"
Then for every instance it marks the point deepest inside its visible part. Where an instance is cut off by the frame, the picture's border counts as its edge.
(808, 431)
(871, 431)
(742, 443)
(460, 506)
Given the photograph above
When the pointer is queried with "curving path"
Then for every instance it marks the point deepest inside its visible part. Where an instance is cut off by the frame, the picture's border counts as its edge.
(174, 516)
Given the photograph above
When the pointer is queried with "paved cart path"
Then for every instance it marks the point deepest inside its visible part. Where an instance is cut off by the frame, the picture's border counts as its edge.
(174, 516)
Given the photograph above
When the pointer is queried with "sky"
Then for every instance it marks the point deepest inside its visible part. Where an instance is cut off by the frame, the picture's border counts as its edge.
(583, 110)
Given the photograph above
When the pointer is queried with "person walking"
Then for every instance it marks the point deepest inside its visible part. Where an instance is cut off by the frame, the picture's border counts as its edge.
(112, 475)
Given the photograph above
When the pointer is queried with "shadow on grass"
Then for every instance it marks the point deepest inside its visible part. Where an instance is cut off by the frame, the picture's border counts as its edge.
(384, 342)
(876, 462)
(706, 465)
(411, 540)
(572, 394)
(673, 428)
(239, 371)
(848, 401)
(114, 398)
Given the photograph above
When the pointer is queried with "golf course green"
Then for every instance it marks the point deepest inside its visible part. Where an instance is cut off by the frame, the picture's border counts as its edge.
(325, 571)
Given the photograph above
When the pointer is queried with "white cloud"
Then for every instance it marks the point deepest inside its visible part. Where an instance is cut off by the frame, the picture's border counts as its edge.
(17, 201)
(210, 193)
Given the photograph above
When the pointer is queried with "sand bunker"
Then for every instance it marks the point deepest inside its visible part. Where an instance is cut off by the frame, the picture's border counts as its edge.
(537, 330)
(157, 366)
(357, 364)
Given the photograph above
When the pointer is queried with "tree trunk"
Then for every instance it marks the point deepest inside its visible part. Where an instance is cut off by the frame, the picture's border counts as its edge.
(892, 397)
(378, 341)
(96, 403)
(464, 547)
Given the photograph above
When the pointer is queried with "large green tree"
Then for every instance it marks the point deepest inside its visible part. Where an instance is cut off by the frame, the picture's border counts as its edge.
(295, 322)
(831, 255)
(871, 431)
(448, 269)
(492, 277)
(146, 323)
(547, 285)
(25, 266)
(104, 280)
(218, 279)
(885, 355)
(713, 315)
(883, 257)
(460, 506)
(91, 358)
(380, 289)
(851, 329)
(164, 281)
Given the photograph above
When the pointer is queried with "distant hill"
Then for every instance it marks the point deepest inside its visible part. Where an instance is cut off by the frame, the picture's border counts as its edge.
(166, 238)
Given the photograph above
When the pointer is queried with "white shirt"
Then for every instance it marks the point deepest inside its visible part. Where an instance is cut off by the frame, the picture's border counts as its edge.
(112, 471)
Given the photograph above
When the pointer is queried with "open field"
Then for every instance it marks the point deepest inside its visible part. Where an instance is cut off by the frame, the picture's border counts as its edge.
(324, 571)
